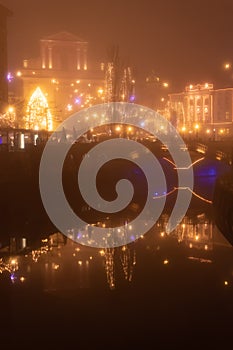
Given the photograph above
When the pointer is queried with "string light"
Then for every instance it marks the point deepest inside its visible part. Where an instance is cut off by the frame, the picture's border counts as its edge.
(8, 119)
(38, 115)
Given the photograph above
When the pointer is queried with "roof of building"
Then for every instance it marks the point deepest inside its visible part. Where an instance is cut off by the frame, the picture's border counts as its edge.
(4, 11)
(63, 36)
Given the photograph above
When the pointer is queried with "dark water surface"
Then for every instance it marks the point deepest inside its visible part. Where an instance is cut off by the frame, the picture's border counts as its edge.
(167, 290)
(161, 291)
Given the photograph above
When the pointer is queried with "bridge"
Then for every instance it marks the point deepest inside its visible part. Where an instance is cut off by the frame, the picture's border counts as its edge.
(12, 139)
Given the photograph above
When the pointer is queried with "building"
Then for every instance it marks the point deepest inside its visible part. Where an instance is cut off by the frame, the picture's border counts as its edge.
(4, 13)
(202, 110)
(64, 74)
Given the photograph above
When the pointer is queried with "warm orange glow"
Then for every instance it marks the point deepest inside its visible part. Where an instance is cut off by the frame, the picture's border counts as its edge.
(38, 115)
(227, 66)
(102, 253)
(11, 109)
(100, 91)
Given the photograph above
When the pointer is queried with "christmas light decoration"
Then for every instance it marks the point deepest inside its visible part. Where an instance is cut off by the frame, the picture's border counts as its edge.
(8, 119)
(38, 115)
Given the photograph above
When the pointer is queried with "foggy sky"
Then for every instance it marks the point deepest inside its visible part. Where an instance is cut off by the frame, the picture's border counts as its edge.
(183, 41)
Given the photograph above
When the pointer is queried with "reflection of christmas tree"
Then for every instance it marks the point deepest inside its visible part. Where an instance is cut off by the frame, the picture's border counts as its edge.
(127, 259)
(38, 116)
(109, 266)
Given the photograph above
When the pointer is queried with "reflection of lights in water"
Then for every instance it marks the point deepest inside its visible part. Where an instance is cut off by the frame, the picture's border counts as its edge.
(13, 278)
(128, 261)
(55, 266)
(102, 253)
(195, 232)
(109, 267)
(207, 261)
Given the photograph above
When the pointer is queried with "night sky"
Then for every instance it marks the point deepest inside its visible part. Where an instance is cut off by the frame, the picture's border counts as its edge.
(183, 41)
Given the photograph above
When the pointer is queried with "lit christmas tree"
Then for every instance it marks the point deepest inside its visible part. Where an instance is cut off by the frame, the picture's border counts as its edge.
(38, 116)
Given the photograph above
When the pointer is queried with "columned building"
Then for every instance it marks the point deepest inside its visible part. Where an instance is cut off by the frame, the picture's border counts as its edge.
(4, 13)
(202, 109)
(67, 77)
(62, 51)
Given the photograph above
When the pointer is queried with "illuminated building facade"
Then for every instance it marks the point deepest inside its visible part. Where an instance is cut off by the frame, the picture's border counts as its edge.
(62, 51)
(63, 72)
(4, 13)
(201, 108)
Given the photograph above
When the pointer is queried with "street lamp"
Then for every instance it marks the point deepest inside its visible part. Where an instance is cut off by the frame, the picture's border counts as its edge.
(183, 129)
(196, 128)
(227, 66)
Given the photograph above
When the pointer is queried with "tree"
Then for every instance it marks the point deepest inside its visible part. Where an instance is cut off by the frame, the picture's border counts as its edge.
(38, 115)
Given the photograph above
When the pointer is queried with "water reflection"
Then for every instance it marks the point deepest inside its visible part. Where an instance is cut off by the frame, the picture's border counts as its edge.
(59, 263)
